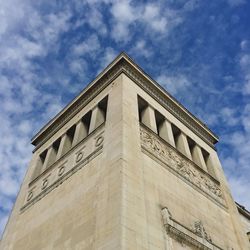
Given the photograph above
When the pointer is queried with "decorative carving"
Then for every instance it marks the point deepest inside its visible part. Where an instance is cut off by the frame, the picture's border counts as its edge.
(30, 195)
(79, 156)
(200, 231)
(196, 237)
(61, 170)
(64, 168)
(45, 183)
(183, 167)
(99, 141)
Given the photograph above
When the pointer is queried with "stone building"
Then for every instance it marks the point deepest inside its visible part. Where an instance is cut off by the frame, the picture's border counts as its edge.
(124, 166)
(245, 218)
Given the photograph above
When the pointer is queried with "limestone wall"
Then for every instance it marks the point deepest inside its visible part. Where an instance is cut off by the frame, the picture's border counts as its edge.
(151, 183)
(125, 187)
(75, 203)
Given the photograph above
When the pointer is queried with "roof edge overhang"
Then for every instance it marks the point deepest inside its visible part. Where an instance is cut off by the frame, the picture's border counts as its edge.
(124, 64)
(242, 210)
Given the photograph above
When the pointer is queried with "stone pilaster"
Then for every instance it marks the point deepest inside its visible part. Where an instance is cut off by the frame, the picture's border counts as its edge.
(182, 145)
(80, 133)
(148, 118)
(198, 157)
(50, 158)
(65, 145)
(97, 118)
(166, 133)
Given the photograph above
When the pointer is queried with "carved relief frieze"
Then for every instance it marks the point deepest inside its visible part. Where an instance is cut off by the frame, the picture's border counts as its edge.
(64, 168)
(200, 231)
(180, 166)
(196, 237)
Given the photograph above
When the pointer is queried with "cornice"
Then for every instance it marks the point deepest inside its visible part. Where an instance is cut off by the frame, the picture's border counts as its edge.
(124, 64)
(90, 92)
(242, 210)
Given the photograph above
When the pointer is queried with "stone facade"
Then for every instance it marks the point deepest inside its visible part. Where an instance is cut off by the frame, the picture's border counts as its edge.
(124, 166)
(245, 219)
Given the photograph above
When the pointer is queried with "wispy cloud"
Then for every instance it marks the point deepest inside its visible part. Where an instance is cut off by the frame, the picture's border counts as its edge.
(89, 46)
(152, 17)
(174, 84)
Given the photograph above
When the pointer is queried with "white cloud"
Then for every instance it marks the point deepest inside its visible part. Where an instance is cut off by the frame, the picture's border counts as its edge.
(24, 127)
(155, 18)
(141, 49)
(240, 189)
(229, 116)
(236, 163)
(246, 118)
(78, 66)
(96, 21)
(152, 16)
(11, 18)
(26, 35)
(107, 57)
(88, 46)
(31, 91)
(8, 186)
(3, 221)
(245, 45)
(124, 15)
(244, 62)
(123, 12)
(174, 84)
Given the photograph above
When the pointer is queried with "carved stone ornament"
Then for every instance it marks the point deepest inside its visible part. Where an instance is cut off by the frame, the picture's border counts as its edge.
(200, 230)
(45, 183)
(61, 170)
(74, 160)
(197, 237)
(30, 195)
(99, 141)
(79, 156)
(181, 167)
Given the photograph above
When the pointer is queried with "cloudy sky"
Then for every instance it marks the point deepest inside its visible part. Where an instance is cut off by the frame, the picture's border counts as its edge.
(198, 50)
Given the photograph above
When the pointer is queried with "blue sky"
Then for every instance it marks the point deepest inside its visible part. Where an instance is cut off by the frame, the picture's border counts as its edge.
(198, 50)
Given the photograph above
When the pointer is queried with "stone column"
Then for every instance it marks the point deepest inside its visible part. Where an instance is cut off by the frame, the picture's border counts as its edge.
(210, 166)
(148, 118)
(64, 147)
(198, 157)
(50, 158)
(182, 145)
(80, 133)
(166, 133)
(97, 118)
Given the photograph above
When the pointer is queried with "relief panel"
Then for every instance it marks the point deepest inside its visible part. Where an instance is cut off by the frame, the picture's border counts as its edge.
(179, 165)
(182, 237)
(65, 167)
